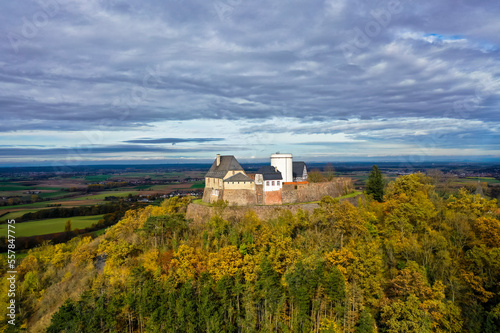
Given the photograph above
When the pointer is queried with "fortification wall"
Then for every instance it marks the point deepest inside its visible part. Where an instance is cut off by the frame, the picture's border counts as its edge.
(211, 195)
(289, 193)
(272, 197)
(201, 213)
(240, 197)
(292, 193)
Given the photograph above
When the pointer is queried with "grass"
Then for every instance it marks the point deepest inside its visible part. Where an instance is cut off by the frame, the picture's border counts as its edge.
(489, 180)
(103, 195)
(11, 188)
(31, 205)
(15, 215)
(200, 184)
(201, 202)
(350, 195)
(143, 187)
(49, 226)
(97, 178)
(52, 194)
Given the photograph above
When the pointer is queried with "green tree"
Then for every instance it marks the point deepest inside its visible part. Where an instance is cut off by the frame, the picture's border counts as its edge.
(375, 184)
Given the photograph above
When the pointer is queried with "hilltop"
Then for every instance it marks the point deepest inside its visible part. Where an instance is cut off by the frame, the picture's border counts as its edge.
(417, 262)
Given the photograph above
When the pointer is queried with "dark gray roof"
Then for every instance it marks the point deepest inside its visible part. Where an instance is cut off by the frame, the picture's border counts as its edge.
(227, 163)
(239, 177)
(269, 173)
(298, 169)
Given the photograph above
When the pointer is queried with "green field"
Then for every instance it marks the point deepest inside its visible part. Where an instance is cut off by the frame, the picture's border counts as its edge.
(52, 194)
(15, 215)
(200, 184)
(50, 226)
(15, 187)
(151, 175)
(489, 180)
(31, 205)
(103, 195)
(97, 178)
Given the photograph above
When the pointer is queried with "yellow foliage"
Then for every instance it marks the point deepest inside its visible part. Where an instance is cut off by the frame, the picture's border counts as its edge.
(251, 267)
(150, 261)
(227, 262)
(29, 263)
(342, 258)
(329, 326)
(133, 220)
(471, 204)
(186, 263)
(278, 248)
(476, 283)
(488, 230)
(84, 253)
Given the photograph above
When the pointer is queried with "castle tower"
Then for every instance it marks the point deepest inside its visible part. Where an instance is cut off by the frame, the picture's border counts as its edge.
(284, 164)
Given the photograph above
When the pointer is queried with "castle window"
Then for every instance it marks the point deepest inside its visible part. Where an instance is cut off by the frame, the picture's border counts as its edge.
(272, 182)
(267, 183)
(278, 183)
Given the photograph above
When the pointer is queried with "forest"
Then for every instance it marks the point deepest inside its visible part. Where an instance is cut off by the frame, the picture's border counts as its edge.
(418, 261)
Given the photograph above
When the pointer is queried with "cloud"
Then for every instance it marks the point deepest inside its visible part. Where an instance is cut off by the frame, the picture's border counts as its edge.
(117, 149)
(123, 66)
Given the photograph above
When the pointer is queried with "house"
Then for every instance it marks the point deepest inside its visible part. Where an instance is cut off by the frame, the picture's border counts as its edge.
(270, 178)
(225, 175)
(272, 182)
(299, 171)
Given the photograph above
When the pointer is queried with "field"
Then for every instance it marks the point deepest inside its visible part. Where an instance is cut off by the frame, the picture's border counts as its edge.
(15, 215)
(50, 226)
(103, 195)
(489, 180)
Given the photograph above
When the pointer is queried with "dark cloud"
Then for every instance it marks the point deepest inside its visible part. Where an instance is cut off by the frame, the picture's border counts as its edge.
(117, 149)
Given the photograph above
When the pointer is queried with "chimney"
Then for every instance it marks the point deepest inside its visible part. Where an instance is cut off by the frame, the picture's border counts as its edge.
(218, 159)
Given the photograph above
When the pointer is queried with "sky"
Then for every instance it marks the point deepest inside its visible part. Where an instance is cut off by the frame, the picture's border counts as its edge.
(98, 82)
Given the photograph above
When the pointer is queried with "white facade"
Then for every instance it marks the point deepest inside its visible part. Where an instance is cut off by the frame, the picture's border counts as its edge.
(284, 164)
(272, 185)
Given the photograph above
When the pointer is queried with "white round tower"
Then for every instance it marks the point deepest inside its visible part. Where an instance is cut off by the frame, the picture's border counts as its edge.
(283, 162)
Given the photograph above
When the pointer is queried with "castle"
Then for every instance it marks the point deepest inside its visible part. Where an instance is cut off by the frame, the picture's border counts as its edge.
(284, 181)
(227, 180)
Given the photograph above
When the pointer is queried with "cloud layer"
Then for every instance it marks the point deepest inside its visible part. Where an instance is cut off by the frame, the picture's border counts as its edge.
(251, 75)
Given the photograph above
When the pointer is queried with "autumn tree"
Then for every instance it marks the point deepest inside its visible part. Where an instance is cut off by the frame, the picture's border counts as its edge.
(67, 226)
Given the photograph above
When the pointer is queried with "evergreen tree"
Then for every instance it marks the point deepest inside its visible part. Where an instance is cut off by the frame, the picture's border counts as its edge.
(375, 184)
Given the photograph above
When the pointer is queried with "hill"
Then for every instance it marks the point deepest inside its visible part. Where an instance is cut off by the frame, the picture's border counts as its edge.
(417, 262)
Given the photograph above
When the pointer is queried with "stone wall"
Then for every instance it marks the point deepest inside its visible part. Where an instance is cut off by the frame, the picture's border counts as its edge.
(240, 197)
(293, 193)
(202, 213)
(208, 195)
(272, 197)
(290, 193)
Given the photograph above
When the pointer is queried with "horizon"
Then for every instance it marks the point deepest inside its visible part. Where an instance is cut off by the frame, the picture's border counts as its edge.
(402, 161)
(328, 80)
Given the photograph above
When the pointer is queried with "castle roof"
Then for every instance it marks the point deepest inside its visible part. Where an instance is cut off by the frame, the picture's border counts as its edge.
(298, 168)
(239, 177)
(269, 172)
(227, 163)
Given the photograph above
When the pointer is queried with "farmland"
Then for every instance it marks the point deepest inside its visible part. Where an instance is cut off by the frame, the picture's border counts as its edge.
(50, 226)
